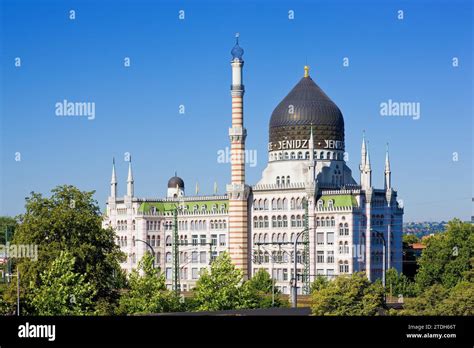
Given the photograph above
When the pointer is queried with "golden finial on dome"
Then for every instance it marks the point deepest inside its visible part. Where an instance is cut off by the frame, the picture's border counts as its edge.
(306, 71)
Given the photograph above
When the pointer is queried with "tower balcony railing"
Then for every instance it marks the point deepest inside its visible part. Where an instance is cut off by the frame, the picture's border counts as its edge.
(294, 185)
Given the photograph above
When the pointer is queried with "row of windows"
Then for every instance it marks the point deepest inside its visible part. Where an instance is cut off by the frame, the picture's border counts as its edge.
(280, 256)
(278, 204)
(299, 155)
(196, 209)
(122, 225)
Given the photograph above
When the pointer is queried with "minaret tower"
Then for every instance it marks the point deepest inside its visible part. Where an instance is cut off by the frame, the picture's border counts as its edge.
(388, 174)
(237, 191)
(130, 179)
(113, 182)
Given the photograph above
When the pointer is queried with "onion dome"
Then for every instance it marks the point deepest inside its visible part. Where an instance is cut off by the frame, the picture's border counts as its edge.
(175, 181)
(237, 52)
(307, 105)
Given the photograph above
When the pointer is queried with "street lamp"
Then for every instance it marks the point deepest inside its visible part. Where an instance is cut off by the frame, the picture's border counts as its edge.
(295, 265)
(152, 250)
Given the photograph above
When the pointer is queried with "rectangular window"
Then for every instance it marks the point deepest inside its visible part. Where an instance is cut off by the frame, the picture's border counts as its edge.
(331, 256)
(320, 271)
(202, 257)
(194, 273)
(320, 238)
(222, 239)
(330, 238)
(213, 255)
(320, 258)
(214, 239)
(194, 257)
(203, 239)
(168, 273)
(285, 274)
(330, 273)
(195, 239)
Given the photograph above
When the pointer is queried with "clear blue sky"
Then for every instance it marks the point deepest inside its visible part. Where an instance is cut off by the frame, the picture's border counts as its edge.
(186, 62)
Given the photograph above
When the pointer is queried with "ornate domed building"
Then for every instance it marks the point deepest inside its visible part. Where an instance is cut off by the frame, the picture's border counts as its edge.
(307, 213)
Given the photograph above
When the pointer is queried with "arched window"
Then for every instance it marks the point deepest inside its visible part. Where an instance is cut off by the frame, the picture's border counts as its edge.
(274, 221)
(255, 222)
(260, 222)
(265, 238)
(278, 181)
(279, 221)
(265, 204)
(318, 223)
(346, 229)
(292, 203)
(158, 240)
(274, 204)
(333, 222)
(265, 222)
(285, 204)
(300, 155)
(267, 257)
(284, 238)
(293, 156)
(153, 241)
(279, 205)
(285, 221)
(168, 241)
(341, 230)
(293, 221)
(288, 180)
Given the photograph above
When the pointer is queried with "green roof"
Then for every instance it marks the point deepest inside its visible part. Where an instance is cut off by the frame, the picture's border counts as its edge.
(169, 206)
(340, 200)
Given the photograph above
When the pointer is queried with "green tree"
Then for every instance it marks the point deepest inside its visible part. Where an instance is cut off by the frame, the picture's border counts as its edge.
(70, 220)
(399, 284)
(319, 283)
(446, 258)
(220, 288)
(410, 239)
(257, 291)
(348, 295)
(62, 291)
(147, 292)
(7, 222)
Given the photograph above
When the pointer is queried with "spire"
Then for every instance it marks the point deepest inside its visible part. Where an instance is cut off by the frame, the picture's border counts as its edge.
(215, 187)
(367, 163)
(130, 179)
(311, 145)
(363, 152)
(387, 161)
(114, 177)
(197, 188)
(113, 181)
(130, 174)
(388, 175)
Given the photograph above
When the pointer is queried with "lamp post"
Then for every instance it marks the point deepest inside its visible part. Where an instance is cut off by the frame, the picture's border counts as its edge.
(152, 250)
(294, 295)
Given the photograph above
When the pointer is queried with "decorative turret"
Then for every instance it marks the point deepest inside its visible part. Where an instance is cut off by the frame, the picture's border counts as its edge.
(130, 184)
(388, 175)
(113, 181)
